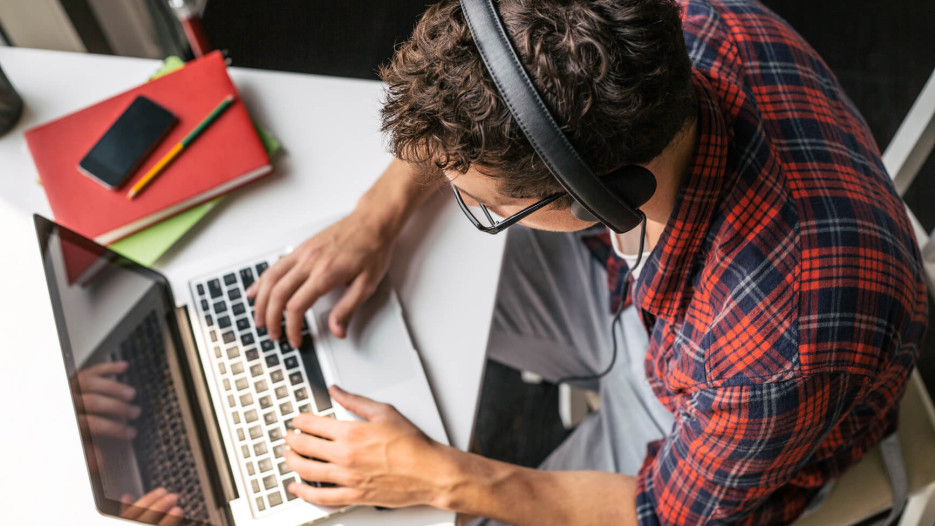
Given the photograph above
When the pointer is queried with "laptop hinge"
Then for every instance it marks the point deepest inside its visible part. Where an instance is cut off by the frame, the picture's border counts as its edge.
(210, 431)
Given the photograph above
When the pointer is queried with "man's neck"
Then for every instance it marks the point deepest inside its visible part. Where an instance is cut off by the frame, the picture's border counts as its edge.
(670, 169)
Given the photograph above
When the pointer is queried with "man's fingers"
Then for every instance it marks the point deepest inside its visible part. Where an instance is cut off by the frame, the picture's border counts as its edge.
(136, 509)
(106, 368)
(264, 284)
(358, 292)
(334, 497)
(312, 470)
(322, 426)
(106, 386)
(97, 404)
(359, 405)
(100, 426)
(278, 297)
(173, 518)
(296, 307)
(157, 510)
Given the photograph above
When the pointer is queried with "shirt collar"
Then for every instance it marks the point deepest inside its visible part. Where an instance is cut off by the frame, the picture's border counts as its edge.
(666, 284)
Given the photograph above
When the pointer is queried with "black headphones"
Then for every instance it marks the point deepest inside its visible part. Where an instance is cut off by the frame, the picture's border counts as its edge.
(613, 199)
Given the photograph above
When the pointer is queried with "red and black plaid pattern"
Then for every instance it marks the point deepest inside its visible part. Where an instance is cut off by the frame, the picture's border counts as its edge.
(785, 299)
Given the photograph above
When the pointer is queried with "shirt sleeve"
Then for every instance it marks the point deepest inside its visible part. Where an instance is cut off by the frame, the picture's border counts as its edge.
(732, 447)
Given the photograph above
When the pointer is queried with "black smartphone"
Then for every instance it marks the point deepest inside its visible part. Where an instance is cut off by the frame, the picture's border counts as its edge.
(127, 143)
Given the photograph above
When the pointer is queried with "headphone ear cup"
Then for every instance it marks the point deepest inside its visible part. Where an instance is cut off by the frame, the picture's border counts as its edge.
(581, 212)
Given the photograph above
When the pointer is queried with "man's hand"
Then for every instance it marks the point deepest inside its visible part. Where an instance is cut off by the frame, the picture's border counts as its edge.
(384, 461)
(106, 401)
(351, 252)
(156, 507)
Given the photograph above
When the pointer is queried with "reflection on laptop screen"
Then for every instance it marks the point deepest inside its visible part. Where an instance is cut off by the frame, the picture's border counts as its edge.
(120, 352)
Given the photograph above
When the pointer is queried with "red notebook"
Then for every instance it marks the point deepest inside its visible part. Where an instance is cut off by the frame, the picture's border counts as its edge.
(228, 154)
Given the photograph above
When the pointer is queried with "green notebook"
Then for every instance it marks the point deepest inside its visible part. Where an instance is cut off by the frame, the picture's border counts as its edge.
(146, 246)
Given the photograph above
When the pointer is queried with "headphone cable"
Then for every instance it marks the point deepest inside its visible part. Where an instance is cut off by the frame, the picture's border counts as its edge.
(624, 293)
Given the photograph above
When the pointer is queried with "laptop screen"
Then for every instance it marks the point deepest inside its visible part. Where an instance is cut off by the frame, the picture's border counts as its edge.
(121, 352)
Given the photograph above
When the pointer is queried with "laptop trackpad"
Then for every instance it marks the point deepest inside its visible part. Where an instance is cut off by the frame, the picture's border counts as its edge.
(377, 352)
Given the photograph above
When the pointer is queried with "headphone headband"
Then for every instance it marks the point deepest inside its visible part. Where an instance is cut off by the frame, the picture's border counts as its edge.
(541, 130)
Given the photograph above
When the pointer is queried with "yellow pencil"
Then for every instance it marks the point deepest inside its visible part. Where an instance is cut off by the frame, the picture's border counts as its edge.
(178, 148)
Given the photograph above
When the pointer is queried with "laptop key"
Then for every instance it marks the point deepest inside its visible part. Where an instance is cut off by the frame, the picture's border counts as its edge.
(261, 386)
(295, 378)
(269, 418)
(241, 383)
(236, 416)
(233, 352)
(276, 376)
(262, 330)
(291, 362)
(251, 415)
(245, 450)
(305, 408)
(282, 392)
(260, 448)
(272, 360)
(286, 408)
(214, 287)
(261, 267)
(246, 339)
(204, 304)
(224, 322)
(201, 289)
(236, 368)
(227, 384)
(220, 307)
(265, 465)
(217, 353)
(284, 345)
(289, 425)
(221, 367)
(256, 432)
(284, 469)
(267, 345)
(230, 401)
(209, 321)
(230, 279)
(214, 337)
(278, 450)
(243, 324)
(256, 370)
(234, 294)
(251, 470)
(246, 400)
(246, 275)
(301, 394)
(240, 435)
(275, 499)
(260, 505)
(238, 309)
(251, 354)
(275, 434)
(228, 337)
(255, 484)
(265, 402)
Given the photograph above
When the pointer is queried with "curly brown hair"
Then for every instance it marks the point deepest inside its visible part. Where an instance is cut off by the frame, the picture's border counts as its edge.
(614, 73)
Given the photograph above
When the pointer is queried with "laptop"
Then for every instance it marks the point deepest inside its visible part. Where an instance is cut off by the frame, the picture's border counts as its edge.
(215, 394)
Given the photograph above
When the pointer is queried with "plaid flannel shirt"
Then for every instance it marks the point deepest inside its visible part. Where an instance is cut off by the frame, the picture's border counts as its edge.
(785, 299)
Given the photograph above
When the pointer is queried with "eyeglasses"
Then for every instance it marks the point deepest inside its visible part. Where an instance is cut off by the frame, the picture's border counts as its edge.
(488, 224)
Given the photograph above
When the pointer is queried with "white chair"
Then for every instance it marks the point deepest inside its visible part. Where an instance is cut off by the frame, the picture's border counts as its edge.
(863, 494)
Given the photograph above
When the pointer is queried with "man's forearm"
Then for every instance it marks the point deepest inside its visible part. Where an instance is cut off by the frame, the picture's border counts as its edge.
(395, 196)
(479, 486)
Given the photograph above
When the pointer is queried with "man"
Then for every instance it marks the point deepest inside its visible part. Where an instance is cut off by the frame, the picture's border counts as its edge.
(776, 313)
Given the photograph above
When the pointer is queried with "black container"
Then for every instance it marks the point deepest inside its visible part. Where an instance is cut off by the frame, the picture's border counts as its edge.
(11, 105)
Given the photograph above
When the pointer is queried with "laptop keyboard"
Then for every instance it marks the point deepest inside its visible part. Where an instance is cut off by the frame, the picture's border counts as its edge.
(164, 457)
(264, 383)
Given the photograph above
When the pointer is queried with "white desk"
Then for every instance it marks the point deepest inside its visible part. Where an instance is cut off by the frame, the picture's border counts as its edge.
(444, 270)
